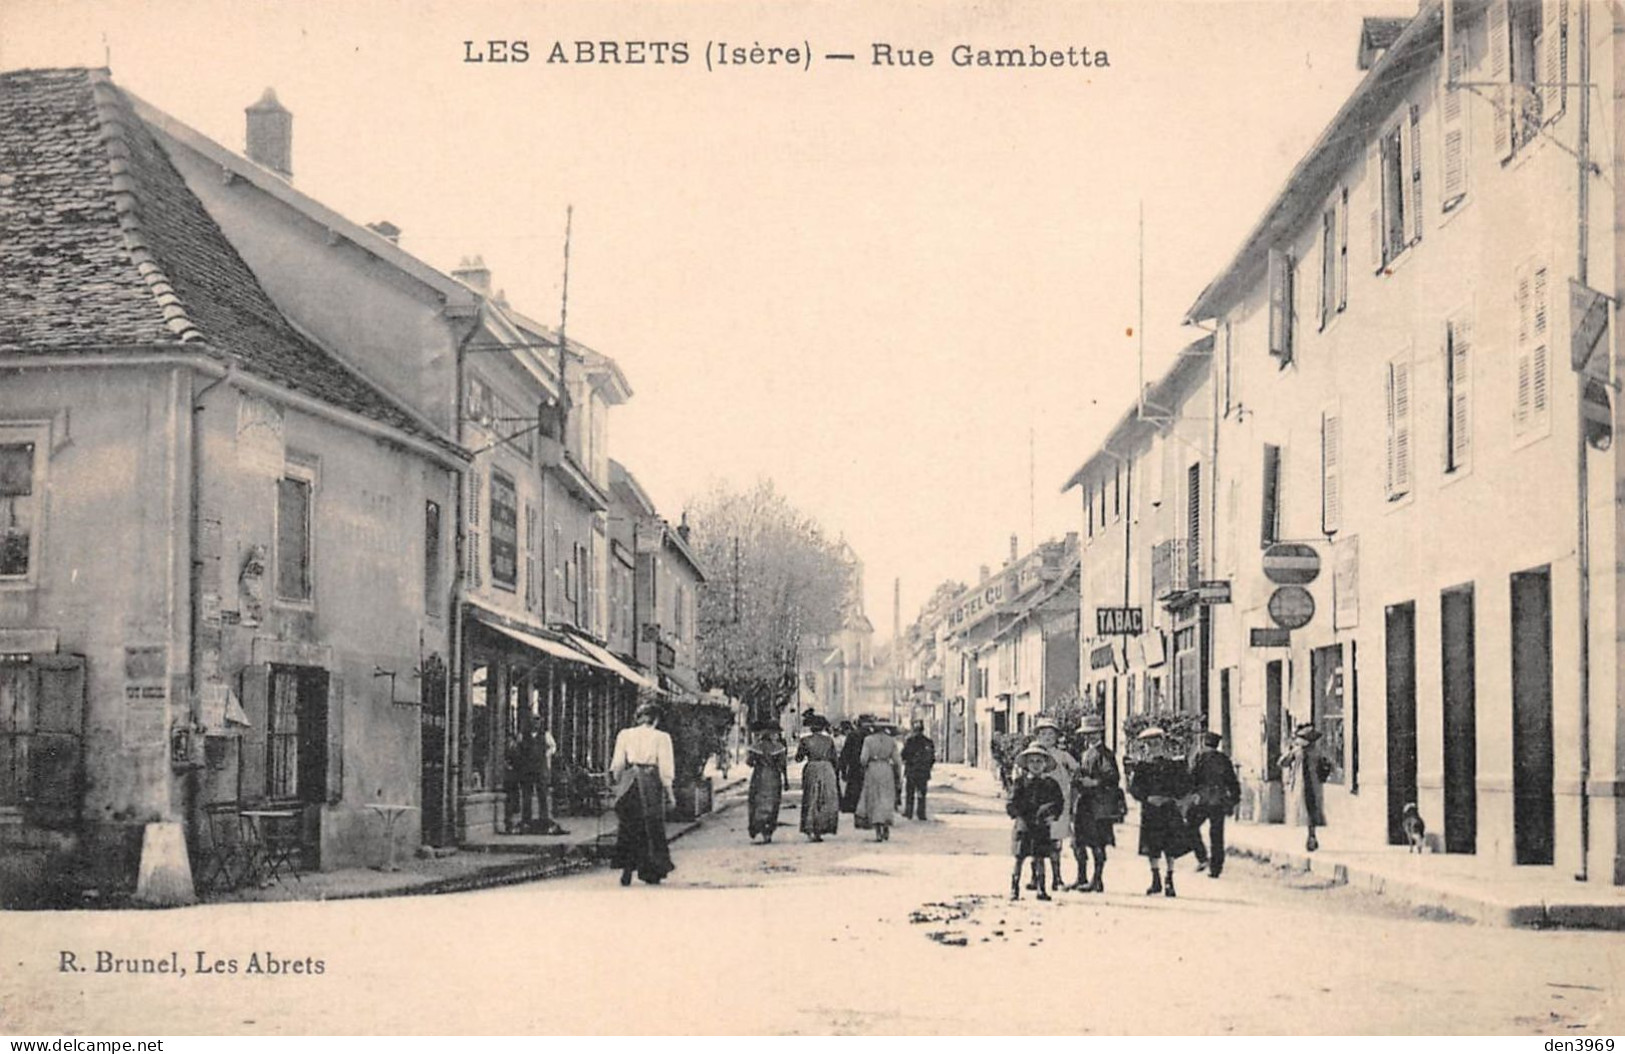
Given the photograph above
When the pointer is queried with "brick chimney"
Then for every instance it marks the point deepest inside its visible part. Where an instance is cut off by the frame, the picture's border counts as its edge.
(1014, 551)
(270, 134)
(472, 272)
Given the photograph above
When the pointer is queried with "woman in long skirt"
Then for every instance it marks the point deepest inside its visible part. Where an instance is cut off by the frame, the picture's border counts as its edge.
(882, 775)
(851, 765)
(820, 790)
(768, 776)
(643, 770)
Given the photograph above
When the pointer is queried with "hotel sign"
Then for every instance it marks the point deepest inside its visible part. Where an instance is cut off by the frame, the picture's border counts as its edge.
(1119, 622)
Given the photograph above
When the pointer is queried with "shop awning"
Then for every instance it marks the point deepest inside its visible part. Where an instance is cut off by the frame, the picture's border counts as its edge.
(605, 658)
(557, 649)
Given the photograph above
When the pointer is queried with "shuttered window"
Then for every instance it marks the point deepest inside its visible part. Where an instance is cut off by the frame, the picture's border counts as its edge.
(1528, 68)
(1280, 268)
(1270, 516)
(1499, 40)
(1331, 472)
(1193, 520)
(1458, 367)
(1399, 427)
(1532, 405)
(476, 551)
(533, 585)
(504, 528)
(1413, 179)
(1327, 301)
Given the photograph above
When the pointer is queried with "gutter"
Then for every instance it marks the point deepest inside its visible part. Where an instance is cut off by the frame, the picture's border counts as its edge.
(213, 367)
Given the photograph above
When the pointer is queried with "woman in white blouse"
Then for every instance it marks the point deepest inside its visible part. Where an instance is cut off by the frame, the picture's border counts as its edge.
(643, 769)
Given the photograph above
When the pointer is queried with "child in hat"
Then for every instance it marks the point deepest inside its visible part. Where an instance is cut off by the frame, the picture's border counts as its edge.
(1035, 801)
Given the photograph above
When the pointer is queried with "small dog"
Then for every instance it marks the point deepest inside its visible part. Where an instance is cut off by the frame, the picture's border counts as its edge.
(1415, 830)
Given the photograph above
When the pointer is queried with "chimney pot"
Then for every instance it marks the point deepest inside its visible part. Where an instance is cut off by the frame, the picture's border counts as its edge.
(472, 272)
(270, 134)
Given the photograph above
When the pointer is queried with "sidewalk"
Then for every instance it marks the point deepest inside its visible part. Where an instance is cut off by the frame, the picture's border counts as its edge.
(1469, 886)
(499, 860)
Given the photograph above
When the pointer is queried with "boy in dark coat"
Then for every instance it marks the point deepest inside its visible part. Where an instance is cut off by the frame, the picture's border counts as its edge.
(1035, 801)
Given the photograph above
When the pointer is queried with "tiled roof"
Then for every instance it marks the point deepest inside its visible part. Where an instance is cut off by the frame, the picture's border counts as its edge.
(103, 246)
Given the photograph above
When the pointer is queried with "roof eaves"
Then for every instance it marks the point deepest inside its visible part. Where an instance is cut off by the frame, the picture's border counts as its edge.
(128, 209)
(455, 292)
(1345, 125)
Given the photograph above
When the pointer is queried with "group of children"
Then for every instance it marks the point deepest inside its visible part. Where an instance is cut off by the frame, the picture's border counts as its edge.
(1055, 795)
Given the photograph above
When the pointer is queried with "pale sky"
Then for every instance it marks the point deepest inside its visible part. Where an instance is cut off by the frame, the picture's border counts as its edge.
(868, 284)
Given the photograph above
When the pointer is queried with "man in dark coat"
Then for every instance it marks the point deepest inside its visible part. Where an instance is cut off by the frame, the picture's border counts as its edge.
(1217, 792)
(851, 766)
(919, 754)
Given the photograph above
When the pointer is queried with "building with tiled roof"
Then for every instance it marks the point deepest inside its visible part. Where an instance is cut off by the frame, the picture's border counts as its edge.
(226, 555)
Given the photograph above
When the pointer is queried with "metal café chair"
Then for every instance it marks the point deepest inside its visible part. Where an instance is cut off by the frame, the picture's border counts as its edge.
(281, 846)
(225, 856)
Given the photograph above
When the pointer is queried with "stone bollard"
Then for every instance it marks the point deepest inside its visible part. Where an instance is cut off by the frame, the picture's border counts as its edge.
(165, 878)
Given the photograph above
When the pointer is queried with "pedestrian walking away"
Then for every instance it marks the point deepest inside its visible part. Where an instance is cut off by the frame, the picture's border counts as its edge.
(882, 777)
(643, 769)
(1217, 792)
(1035, 800)
(919, 755)
(820, 789)
(1162, 785)
(1047, 734)
(1099, 807)
(1303, 771)
(769, 775)
(851, 763)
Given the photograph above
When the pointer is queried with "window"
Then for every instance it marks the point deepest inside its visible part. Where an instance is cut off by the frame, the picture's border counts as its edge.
(479, 408)
(431, 557)
(19, 504)
(1089, 508)
(293, 536)
(1281, 300)
(1394, 173)
(504, 532)
(1193, 520)
(479, 724)
(1398, 404)
(42, 704)
(1331, 472)
(296, 735)
(1528, 42)
(1532, 405)
(1458, 377)
(1270, 516)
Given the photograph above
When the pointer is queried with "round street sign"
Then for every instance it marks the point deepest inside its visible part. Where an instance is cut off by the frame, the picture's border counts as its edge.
(1291, 607)
(1291, 564)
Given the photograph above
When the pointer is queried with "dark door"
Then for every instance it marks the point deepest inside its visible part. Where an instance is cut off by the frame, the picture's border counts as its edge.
(1401, 643)
(1459, 691)
(1224, 711)
(1532, 716)
(432, 687)
(1326, 707)
(1273, 691)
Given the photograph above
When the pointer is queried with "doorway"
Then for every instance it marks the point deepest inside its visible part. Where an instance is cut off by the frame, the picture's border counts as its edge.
(1274, 685)
(296, 735)
(433, 710)
(1459, 691)
(1400, 625)
(1532, 805)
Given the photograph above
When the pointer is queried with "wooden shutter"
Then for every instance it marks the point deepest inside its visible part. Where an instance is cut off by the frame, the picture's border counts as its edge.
(1399, 428)
(1343, 249)
(1280, 267)
(255, 695)
(476, 563)
(1374, 179)
(1412, 174)
(1269, 515)
(1459, 366)
(1540, 341)
(1499, 21)
(56, 750)
(1331, 471)
(1326, 286)
(59, 702)
(1453, 133)
(1553, 59)
(1193, 520)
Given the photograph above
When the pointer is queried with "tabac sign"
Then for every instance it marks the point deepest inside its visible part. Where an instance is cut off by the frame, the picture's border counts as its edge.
(1119, 622)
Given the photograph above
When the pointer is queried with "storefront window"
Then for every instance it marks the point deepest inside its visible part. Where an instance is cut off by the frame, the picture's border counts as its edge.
(479, 725)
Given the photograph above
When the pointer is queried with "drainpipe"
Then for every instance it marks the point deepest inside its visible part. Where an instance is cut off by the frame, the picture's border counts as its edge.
(456, 688)
(1583, 488)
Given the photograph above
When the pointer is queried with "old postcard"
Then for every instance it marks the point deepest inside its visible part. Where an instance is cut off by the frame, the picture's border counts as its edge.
(846, 518)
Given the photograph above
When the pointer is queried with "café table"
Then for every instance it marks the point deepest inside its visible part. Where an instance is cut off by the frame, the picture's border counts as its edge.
(391, 815)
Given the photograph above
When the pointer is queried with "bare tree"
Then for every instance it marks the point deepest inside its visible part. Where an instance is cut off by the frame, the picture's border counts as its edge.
(775, 579)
